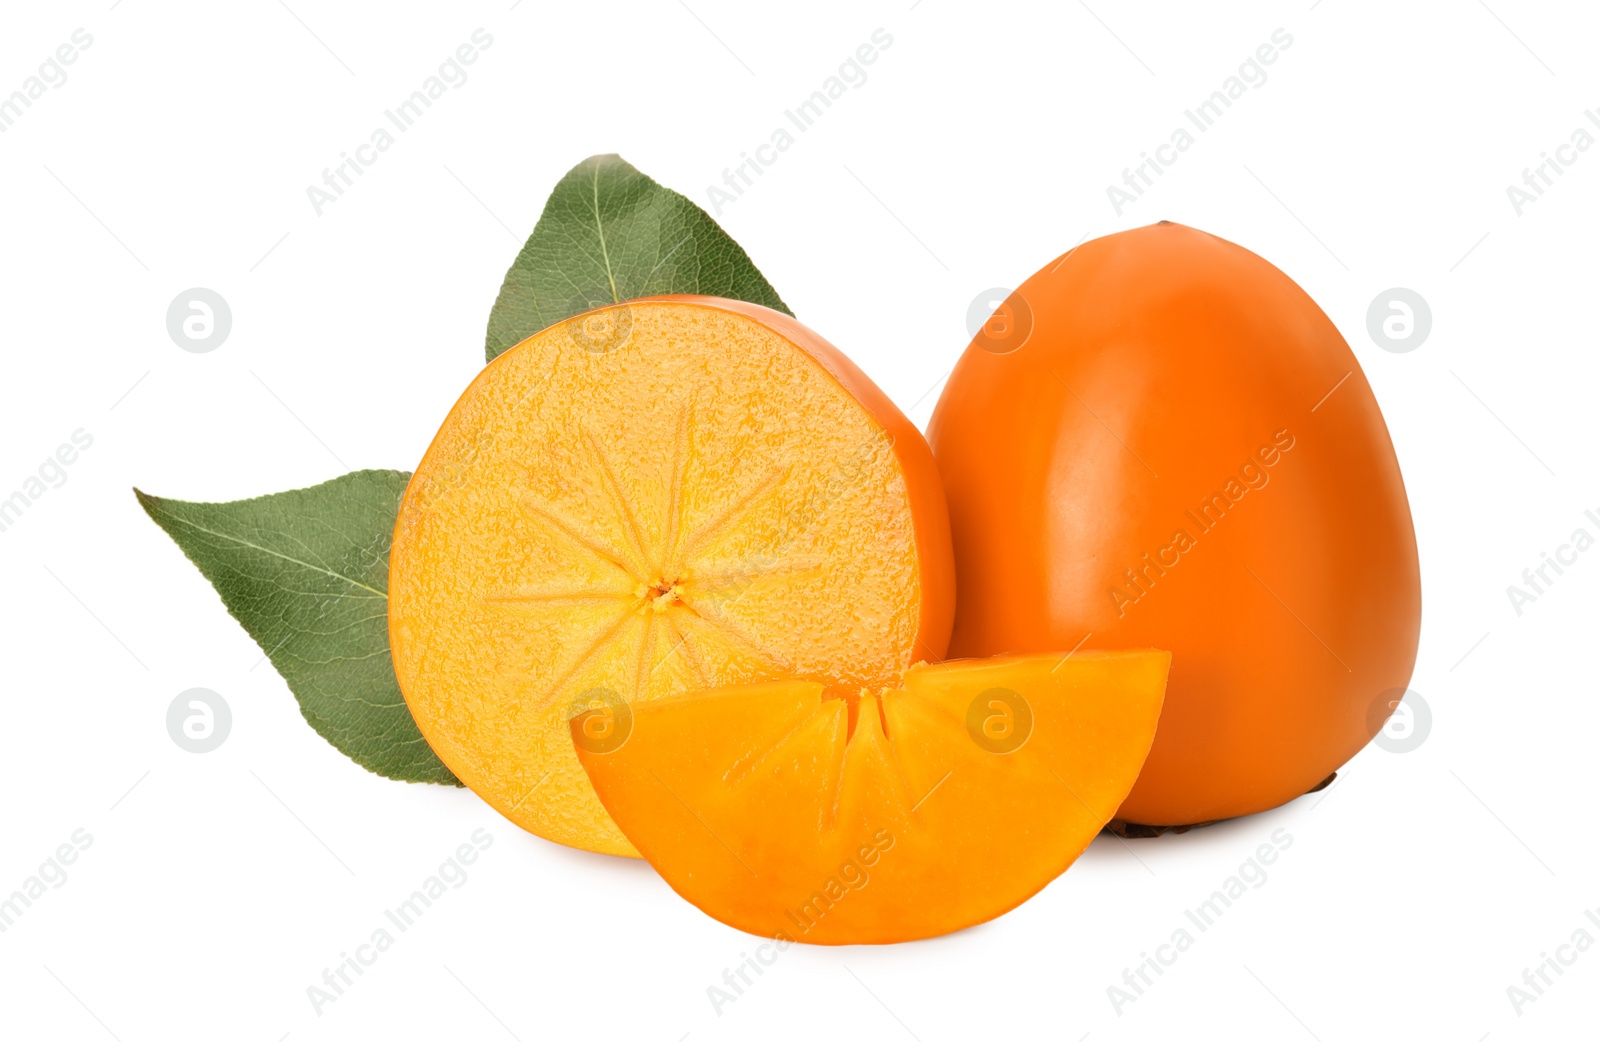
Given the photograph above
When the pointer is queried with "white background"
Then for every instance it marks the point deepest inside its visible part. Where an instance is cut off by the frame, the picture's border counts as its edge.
(219, 886)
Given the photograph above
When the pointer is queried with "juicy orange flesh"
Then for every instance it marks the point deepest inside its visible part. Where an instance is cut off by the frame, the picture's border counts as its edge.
(762, 807)
(701, 505)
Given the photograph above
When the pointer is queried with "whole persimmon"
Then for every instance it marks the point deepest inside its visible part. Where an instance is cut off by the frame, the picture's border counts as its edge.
(1160, 440)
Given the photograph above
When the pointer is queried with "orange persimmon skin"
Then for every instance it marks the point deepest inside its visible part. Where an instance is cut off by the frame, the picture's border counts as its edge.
(1165, 366)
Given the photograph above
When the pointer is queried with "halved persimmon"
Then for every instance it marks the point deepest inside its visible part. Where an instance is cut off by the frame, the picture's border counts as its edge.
(893, 815)
(660, 496)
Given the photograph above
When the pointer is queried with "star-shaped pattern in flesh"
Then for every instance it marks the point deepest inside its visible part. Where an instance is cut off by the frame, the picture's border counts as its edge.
(674, 600)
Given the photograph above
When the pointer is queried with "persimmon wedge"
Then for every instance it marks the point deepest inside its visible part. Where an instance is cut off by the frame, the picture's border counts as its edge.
(654, 497)
(896, 814)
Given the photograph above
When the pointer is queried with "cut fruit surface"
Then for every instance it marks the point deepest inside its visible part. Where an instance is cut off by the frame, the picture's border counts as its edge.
(905, 813)
(666, 495)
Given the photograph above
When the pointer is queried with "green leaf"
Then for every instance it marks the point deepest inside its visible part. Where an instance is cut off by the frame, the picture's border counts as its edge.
(608, 234)
(306, 573)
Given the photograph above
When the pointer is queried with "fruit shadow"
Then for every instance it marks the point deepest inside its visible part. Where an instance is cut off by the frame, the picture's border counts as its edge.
(590, 863)
(1228, 834)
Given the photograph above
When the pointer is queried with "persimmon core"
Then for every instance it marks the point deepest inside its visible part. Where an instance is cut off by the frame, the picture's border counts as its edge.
(661, 594)
(560, 545)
